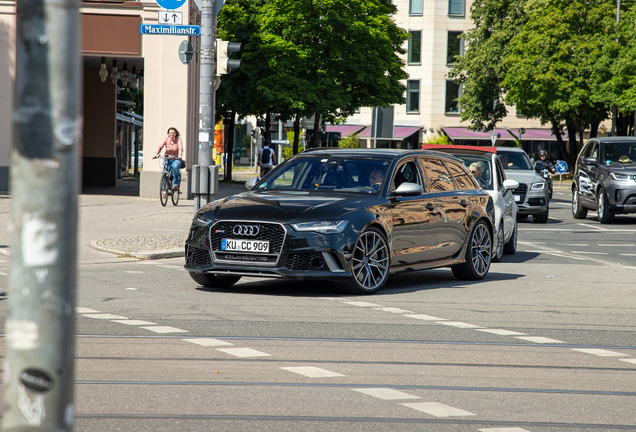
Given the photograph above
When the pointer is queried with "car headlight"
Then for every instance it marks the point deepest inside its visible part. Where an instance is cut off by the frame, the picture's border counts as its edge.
(619, 177)
(538, 186)
(323, 227)
(201, 220)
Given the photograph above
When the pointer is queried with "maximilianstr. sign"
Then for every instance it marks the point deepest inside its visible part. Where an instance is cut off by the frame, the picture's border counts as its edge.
(176, 30)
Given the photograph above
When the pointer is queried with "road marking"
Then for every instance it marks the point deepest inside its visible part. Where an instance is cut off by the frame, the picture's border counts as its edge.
(362, 304)
(243, 352)
(208, 342)
(539, 339)
(81, 310)
(629, 360)
(504, 430)
(628, 254)
(104, 316)
(459, 324)
(571, 244)
(135, 272)
(590, 253)
(600, 352)
(534, 243)
(425, 317)
(134, 322)
(385, 393)
(312, 372)
(164, 329)
(393, 310)
(616, 245)
(501, 332)
(566, 256)
(437, 409)
(594, 226)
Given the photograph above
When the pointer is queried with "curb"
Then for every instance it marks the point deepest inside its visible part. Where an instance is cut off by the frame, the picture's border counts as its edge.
(149, 255)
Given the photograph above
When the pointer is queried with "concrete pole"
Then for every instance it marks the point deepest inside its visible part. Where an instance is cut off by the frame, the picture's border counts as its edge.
(206, 100)
(279, 157)
(47, 124)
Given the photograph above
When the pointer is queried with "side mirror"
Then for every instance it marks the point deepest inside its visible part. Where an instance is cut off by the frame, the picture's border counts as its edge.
(408, 189)
(510, 184)
(251, 183)
(589, 161)
(538, 166)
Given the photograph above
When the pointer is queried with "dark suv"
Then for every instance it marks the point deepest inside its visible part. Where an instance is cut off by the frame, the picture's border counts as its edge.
(605, 178)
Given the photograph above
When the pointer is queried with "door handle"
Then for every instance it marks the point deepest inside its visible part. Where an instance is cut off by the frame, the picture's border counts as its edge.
(430, 207)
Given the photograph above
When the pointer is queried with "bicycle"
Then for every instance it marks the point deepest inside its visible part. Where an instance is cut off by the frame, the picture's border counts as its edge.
(166, 185)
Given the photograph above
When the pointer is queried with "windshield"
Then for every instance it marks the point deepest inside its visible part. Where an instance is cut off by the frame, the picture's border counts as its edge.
(514, 160)
(619, 153)
(480, 168)
(327, 173)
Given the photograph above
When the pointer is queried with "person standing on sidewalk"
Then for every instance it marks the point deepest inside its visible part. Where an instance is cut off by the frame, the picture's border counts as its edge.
(173, 154)
(266, 158)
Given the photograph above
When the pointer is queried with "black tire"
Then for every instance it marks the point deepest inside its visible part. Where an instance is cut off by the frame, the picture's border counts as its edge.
(163, 191)
(578, 211)
(370, 264)
(478, 254)
(175, 196)
(605, 215)
(498, 253)
(542, 217)
(213, 281)
(511, 246)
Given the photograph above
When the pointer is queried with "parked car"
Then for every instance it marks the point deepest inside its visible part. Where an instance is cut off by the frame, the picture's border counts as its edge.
(533, 195)
(492, 180)
(605, 178)
(348, 216)
(140, 163)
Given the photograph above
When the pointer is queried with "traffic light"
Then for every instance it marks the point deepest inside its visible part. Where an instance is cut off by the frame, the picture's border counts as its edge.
(223, 51)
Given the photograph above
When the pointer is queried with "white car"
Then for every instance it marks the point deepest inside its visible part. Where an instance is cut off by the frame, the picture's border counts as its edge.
(492, 180)
(140, 163)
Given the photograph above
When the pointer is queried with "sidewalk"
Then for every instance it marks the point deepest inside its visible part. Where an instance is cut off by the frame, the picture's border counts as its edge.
(115, 224)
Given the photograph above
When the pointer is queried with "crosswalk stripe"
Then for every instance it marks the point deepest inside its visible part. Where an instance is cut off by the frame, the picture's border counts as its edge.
(539, 339)
(513, 429)
(501, 332)
(134, 322)
(104, 316)
(312, 372)
(393, 310)
(425, 317)
(459, 324)
(438, 409)
(244, 352)
(208, 342)
(600, 352)
(385, 393)
(164, 329)
(629, 360)
(362, 304)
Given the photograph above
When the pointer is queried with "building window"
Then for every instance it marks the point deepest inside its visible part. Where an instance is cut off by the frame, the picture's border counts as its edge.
(454, 47)
(415, 7)
(456, 7)
(415, 48)
(453, 91)
(413, 96)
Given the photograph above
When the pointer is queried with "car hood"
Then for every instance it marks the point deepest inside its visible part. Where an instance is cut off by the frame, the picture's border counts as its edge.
(285, 206)
(523, 176)
(623, 169)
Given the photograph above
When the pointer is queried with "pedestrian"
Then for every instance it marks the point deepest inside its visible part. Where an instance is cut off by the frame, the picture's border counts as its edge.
(172, 155)
(266, 158)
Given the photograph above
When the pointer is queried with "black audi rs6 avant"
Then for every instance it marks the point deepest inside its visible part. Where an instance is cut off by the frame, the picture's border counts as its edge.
(348, 216)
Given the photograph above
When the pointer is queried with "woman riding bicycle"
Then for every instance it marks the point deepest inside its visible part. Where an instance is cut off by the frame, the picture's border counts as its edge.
(173, 154)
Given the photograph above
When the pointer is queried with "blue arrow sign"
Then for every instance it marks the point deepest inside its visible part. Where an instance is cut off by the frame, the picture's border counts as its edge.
(170, 4)
(561, 167)
(175, 30)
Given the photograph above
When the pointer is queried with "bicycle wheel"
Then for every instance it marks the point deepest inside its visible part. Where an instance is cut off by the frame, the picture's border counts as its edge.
(175, 196)
(163, 190)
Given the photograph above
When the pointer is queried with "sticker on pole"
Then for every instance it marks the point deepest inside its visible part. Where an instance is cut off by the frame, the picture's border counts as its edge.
(170, 4)
(561, 167)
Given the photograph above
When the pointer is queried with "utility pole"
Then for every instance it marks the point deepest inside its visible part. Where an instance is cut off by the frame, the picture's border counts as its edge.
(47, 128)
(206, 102)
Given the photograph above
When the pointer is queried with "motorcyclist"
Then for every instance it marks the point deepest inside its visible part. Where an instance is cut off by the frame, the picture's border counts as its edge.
(547, 165)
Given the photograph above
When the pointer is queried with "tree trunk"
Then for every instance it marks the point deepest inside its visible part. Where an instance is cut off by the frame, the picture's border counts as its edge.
(315, 138)
(267, 126)
(296, 134)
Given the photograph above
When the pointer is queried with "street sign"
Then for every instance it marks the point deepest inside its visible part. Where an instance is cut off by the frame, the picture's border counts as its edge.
(561, 167)
(169, 30)
(170, 17)
(185, 52)
(170, 4)
(279, 141)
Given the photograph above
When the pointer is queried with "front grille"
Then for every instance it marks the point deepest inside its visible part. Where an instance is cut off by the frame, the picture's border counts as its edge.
(198, 257)
(274, 233)
(522, 191)
(302, 262)
(224, 256)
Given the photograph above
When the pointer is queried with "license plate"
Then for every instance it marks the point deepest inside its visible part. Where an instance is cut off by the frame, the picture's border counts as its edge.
(517, 198)
(253, 246)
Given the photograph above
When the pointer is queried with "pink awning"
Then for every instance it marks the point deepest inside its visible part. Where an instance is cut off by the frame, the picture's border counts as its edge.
(538, 134)
(463, 133)
(399, 132)
(345, 130)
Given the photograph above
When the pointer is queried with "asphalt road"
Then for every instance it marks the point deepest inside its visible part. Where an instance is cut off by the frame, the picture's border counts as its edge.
(547, 342)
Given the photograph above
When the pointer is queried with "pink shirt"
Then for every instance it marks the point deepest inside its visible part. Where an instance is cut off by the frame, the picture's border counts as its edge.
(172, 148)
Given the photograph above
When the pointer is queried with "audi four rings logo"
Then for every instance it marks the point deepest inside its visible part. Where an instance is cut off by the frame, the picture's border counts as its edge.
(248, 230)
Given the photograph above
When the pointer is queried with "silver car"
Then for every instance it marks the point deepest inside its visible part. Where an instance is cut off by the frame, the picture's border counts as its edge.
(533, 194)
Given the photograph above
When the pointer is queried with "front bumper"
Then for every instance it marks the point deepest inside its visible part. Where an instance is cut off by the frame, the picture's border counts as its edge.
(531, 202)
(293, 255)
(621, 199)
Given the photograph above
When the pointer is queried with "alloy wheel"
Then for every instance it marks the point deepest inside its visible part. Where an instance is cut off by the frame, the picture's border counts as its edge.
(370, 261)
(481, 250)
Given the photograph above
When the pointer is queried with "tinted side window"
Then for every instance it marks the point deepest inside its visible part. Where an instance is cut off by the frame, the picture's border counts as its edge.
(587, 150)
(407, 172)
(463, 179)
(439, 179)
(501, 176)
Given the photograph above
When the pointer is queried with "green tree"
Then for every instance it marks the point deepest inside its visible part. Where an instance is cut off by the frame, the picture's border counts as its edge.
(351, 142)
